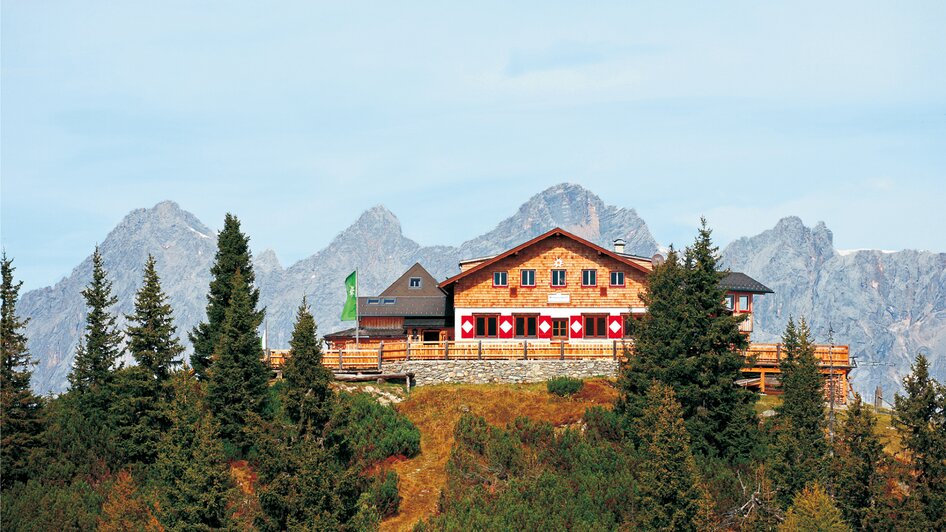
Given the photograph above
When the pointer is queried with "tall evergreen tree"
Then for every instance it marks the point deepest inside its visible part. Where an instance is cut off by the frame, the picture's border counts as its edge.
(20, 409)
(800, 450)
(813, 510)
(920, 417)
(191, 467)
(307, 392)
(672, 494)
(691, 342)
(233, 255)
(152, 340)
(100, 348)
(237, 381)
(857, 466)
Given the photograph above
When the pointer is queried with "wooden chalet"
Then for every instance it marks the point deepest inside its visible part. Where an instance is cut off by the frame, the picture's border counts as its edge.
(554, 296)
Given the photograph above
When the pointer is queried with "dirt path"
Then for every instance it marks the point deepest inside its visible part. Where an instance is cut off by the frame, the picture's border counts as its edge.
(436, 409)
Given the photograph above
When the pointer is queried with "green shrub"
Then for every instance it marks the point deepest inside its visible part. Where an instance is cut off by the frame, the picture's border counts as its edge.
(603, 425)
(367, 431)
(42, 506)
(564, 386)
(384, 493)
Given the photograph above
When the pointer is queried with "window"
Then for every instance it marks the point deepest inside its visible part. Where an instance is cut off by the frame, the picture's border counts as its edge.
(559, 328)
(525, 326)
(500, 279)
(414, 282)
(617, 278)
(595, 327)
(374, 301)
(389, 301)
(528, 278)
(486, 326)
(589, 277)
(730, 302)
(744, 303)
(558, 277)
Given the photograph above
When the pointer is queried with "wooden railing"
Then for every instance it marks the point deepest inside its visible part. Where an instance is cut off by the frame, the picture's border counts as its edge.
(371, 356)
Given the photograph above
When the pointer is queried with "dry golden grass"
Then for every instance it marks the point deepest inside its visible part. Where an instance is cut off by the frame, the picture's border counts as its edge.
(435, 411)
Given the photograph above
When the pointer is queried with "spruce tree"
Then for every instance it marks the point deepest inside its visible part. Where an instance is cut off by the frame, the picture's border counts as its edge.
(813, 510)
(20, 409)
(691, 342)
(237, 382)
(671, 491)
(859, 457)
(152, 340)
(233, 255)
(307, 392)
(100, 348)
(920, 417)
(191, 467)
(800, 450)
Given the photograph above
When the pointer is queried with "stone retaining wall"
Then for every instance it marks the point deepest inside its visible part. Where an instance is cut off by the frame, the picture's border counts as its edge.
(428, 372)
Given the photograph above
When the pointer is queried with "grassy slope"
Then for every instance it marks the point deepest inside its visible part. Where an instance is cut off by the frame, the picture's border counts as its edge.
(435, 411)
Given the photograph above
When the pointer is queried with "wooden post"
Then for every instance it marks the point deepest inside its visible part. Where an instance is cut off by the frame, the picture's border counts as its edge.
(525, 349)
(446, 350)
(614, 350)
(479, 349)
(762, 381)
(778, 353)
(878, 398)
(380, 353)
(340, 351)
(561, 354)
(407, 356)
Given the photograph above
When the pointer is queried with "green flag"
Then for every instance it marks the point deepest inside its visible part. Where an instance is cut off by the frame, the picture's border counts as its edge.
(350, 310)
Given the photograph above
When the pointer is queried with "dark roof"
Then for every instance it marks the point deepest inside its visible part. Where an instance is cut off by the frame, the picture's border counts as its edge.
(740, 282)
(427, 322)
(402, 286)
(520, 247)
(367, 333)
(403, 306)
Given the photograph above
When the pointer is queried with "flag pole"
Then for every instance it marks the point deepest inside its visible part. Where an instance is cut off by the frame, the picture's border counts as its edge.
(356, 307)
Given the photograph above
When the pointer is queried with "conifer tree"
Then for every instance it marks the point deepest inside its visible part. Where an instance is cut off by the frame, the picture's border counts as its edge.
(859, 457)
(100, 348)
(191, 466)
(672, 494)
(691, 342)
(152, 340)
(20, 409)
(800, 449)
(233, 255)
(920, 417)
(124, 508)
(237, 381)
(813, 510)
(306, 380)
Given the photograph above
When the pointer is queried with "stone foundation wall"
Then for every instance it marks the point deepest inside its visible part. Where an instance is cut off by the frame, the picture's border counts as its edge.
(427, 372)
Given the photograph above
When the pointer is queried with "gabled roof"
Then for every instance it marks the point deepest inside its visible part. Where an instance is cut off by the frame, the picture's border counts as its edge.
(558, 231)
(401, 287)
(740, 282)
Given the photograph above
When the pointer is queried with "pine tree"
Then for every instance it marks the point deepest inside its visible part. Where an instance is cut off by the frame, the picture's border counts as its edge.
(233, 255)
(307, 392)
(920, 417)
(689, 341)
(859, 457)
(194, 477)
(152, 340)
(800, 450)
(672, 495)
(237, 383)
(20, 409)
(124, 508)
(100, 348)
(813, 510)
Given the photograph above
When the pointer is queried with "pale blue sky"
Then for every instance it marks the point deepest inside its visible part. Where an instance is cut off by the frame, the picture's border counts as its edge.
(297, 117)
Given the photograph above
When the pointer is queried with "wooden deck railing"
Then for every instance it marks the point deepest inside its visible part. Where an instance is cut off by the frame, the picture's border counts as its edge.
(371, 356)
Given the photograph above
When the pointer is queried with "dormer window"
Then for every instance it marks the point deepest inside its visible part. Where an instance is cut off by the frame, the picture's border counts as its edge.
(414, 282)
(500, 279)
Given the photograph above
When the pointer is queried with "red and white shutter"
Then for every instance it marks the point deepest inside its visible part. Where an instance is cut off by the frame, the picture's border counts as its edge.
(576, 327)
(615, 327)
(545, 326)
(467, 327)
(507, 327)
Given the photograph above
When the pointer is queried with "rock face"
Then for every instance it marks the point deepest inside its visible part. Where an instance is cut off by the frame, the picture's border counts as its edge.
(887, 306)
(374, 245)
